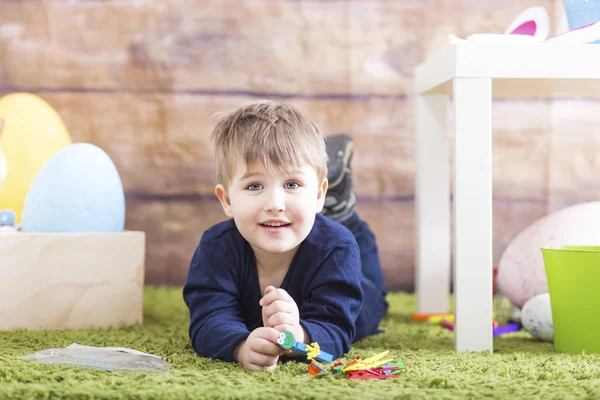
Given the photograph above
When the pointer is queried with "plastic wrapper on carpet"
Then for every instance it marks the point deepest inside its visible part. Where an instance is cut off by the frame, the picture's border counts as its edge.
(103, 358)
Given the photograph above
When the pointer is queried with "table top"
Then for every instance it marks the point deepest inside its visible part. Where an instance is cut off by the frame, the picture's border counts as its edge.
(517, 70)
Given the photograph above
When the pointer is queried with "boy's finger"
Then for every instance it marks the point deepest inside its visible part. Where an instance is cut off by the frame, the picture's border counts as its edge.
(277, 294)
(267, 334)
(263, 359)
(267, 348)
(271, 368)
(265, 317)
(278, 306)
(284, 327)
(269, 297)
(259, 368)
(281, 319)
(269, 289)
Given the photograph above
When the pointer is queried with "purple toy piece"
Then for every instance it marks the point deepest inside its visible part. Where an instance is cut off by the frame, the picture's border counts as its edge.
(508, 328)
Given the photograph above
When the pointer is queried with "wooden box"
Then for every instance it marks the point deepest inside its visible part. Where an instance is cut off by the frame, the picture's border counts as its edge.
(71, 280)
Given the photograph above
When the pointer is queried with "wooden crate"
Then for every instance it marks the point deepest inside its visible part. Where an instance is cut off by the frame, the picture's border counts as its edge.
(71, 280)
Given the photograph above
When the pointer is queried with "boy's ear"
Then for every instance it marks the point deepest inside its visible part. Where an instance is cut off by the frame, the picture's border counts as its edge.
(224, 199)
(321, 195)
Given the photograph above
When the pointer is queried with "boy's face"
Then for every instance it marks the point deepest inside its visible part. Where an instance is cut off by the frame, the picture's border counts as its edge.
(274, 213)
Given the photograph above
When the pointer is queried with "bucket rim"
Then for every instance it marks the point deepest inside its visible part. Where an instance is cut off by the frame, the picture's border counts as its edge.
(572, 248)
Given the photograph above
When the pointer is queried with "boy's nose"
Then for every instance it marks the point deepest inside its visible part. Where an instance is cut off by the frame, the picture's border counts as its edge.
(276, 201)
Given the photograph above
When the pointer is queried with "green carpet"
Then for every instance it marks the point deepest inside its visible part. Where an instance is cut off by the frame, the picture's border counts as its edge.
(520, 367)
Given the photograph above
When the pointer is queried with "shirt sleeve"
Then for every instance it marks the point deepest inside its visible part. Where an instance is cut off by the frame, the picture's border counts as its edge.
(334, 300)
(212, 296)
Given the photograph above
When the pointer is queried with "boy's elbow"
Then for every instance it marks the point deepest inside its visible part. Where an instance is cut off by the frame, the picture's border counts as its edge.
(344, 344)
(216, 341)
(196, 342)
(345, 348)
(198, 333)
(203, 348)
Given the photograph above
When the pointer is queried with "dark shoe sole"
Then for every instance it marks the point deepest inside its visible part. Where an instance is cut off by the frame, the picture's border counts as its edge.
(340, 150)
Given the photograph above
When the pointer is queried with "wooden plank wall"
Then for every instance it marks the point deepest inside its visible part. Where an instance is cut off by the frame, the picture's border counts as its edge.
(141, 79)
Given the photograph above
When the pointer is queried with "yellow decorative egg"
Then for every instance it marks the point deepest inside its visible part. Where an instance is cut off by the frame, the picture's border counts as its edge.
(33, 132)
(2, 169)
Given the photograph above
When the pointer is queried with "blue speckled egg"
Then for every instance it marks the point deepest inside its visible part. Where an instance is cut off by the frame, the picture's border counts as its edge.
(536, 317)
(78, 190)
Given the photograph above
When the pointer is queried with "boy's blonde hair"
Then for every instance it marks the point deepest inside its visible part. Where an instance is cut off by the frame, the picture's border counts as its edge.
(275, 134)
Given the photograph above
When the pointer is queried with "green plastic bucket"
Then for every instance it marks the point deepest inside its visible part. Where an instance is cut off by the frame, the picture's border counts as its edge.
(573, 274)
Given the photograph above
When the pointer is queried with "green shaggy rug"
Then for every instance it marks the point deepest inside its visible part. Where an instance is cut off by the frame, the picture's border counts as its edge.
(520, 367)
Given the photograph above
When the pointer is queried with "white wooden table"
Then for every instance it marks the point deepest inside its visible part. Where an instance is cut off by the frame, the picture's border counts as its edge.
(471, 73)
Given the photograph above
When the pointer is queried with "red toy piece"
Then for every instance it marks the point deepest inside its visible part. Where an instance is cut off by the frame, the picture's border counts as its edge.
(375, 373)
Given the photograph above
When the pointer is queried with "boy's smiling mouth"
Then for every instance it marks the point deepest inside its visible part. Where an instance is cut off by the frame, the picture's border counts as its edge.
(274, 226)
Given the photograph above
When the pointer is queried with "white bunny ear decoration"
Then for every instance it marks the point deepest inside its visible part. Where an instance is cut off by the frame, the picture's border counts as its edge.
(532, 22)
(585, 34)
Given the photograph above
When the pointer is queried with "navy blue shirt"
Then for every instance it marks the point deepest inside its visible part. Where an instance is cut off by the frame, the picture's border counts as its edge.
(337, 305)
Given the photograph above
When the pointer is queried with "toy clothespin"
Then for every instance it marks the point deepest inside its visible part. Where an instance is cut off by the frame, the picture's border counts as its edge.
(365, 374)
(367, 363)
(436, 319)
(428, 317)
(386, 372)
(337, 367)
(315, 368)
(508, 328)
(450, 324)
(312, 351)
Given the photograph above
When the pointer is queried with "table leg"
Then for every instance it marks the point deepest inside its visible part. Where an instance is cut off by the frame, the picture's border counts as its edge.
(473, 214)
(432, 205)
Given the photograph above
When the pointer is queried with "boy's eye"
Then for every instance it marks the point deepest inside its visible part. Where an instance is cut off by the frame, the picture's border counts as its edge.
(254, 186)
(292, 185)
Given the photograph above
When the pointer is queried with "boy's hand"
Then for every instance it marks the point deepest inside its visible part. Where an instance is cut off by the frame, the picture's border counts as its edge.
(279, 311)
(260, 351)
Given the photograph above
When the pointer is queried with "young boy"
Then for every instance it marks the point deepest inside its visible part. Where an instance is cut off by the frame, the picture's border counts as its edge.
(278, 264)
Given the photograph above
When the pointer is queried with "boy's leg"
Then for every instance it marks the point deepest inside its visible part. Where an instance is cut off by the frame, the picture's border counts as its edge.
(340, 202)
(340, 199)
(369, 254)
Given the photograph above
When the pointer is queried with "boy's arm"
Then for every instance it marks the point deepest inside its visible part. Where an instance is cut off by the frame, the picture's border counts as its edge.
(211, 294)
(335, 298)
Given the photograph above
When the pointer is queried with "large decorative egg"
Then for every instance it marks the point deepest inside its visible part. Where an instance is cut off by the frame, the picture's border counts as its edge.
(78, 190)
(521, 273)
(33, 132)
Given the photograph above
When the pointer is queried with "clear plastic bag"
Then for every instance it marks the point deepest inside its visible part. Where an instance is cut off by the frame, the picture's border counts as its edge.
(104, 358)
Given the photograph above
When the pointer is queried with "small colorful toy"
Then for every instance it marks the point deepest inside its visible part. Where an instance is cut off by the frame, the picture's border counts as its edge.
(367, 363)
(449, 324)
(508, 328)
(497, 330)
(312, 351)
(370, 368)
(430, 317)
(435, 319)
(376, 373)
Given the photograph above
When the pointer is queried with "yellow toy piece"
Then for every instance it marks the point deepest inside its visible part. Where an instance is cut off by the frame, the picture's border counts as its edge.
(33, 132)
(312, 351)
(368, 363)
